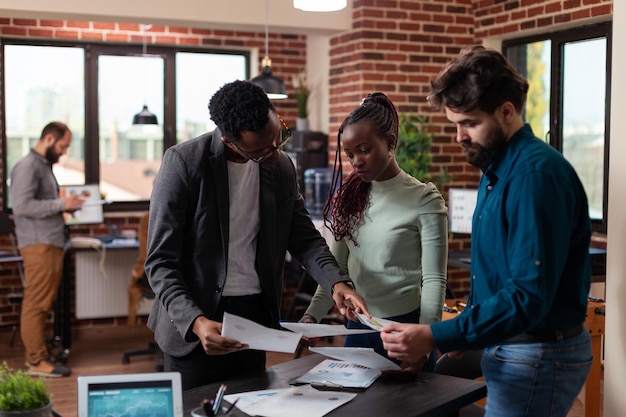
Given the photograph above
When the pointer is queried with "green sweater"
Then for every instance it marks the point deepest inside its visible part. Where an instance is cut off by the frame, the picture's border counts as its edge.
(400, 262)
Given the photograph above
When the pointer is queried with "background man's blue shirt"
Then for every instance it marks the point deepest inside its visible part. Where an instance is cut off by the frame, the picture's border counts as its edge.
(530, 268)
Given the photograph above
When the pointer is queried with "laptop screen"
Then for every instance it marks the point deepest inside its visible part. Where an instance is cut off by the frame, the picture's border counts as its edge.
(150, 394)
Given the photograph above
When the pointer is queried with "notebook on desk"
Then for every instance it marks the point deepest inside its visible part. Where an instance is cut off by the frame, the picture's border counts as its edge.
(150, 394)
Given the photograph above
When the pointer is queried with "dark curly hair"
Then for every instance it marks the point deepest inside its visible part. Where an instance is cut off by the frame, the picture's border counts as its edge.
(57, 129)
(344, 209)
(478, 79)
(238, 106)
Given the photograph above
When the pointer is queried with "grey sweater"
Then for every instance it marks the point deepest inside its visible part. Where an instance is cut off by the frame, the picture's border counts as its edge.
(37, 207)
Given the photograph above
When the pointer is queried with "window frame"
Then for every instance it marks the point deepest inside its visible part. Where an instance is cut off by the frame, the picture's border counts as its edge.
(558, 40)
(92, 51)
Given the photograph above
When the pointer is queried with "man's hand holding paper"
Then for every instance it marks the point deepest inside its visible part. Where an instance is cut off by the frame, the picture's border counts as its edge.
(210, 334)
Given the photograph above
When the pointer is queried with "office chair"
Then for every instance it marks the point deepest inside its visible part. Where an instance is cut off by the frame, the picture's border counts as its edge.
(12, 255)
(137, 291)
(467, 367)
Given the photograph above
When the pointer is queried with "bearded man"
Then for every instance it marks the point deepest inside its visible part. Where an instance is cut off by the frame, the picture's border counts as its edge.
(530, 268)
(40, 228)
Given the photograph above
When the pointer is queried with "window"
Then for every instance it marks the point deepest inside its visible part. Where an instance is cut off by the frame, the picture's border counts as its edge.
(96, 89)
(36, 94)
(568, 101)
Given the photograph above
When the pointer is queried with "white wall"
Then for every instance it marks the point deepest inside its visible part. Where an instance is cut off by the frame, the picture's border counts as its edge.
(615, 339)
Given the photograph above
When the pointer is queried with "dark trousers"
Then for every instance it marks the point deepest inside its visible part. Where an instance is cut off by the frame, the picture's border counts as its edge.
(198, 368)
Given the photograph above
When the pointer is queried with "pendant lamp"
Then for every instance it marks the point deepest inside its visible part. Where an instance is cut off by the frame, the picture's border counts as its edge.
(320, 5)
(273, 86)
(145, 117)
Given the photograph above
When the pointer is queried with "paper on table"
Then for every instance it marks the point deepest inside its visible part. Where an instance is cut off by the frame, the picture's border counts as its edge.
(95, 202)
(360, 356)
(341, 373)
(301, 401)
(321, 330)
(257, 336)
(375, 322)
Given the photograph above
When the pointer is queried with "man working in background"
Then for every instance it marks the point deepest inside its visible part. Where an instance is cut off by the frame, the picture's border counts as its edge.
(225, 209)
(40, 228)
(530, 268)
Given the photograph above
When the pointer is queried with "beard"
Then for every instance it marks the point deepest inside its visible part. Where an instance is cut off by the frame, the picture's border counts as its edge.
(481, 155)
(51, 155)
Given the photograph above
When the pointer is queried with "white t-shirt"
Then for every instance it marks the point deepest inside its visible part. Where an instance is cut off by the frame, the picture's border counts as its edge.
(243, 189)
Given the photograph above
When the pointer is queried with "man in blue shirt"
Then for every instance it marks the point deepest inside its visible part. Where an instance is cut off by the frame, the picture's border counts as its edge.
(530, 269)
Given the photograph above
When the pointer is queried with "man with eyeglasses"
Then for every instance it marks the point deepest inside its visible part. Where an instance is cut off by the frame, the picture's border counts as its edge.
(225, 210)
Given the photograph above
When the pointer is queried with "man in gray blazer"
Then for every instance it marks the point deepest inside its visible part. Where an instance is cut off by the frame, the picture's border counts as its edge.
(225, 210)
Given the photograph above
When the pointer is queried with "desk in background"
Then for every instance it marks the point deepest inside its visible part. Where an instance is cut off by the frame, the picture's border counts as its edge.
(97, 295)
(430, 395)
(461, 259)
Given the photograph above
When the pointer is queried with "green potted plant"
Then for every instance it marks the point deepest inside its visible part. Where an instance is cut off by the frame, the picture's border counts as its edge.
(413, 151)
(302, 97)
(22, 395)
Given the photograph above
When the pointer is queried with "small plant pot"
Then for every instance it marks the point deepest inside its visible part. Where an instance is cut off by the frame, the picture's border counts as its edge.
(302, 124)
(45, 411)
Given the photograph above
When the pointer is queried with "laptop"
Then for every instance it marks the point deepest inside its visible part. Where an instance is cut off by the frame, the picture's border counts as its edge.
(149, 394)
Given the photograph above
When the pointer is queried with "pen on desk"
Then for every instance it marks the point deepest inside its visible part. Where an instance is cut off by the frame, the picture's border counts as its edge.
(232, 405)
(218, 399)
(207, 407)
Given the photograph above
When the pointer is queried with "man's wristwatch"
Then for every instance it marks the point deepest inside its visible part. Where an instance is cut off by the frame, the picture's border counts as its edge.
(348, 283)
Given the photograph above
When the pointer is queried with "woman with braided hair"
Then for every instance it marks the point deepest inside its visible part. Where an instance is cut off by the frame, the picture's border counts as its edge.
(390, 229)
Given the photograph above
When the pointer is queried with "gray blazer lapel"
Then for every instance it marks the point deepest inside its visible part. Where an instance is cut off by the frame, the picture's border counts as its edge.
(219, 175)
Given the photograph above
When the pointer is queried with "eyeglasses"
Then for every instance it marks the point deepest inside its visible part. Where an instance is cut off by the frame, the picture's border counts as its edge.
(285, 135)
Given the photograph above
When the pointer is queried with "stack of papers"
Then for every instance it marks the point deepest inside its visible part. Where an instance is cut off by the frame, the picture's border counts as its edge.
(360, 356)
(340, 373)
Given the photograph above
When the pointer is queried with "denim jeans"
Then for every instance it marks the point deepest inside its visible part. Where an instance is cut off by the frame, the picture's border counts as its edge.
(373, 340)
(536, 379)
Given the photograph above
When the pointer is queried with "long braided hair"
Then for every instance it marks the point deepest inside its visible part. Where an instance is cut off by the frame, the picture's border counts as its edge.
(344, 209)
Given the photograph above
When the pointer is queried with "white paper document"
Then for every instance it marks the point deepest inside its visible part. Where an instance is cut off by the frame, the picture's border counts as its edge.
(257, 336)
(341, 373)
(88, 203)
(301, 401)
(375, 322)
(357, 355)
(321, 330)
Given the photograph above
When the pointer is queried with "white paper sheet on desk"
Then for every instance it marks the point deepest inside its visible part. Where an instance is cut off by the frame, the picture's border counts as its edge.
(360, 356)
(375, 322)
(301, 401)
(321, 330)
(257, 336)
(342, 373)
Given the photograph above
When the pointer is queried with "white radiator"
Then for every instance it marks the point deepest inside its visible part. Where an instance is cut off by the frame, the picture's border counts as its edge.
(105, 295)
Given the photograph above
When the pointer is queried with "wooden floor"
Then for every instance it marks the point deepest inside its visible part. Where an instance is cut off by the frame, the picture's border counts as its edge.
(99, 350)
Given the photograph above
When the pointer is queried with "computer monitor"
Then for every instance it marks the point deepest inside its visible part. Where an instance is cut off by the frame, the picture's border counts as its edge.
(461, 204)
(91, 212)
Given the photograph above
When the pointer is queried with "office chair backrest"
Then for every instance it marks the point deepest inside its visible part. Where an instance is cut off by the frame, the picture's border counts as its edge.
(7, 228)
(467, 367)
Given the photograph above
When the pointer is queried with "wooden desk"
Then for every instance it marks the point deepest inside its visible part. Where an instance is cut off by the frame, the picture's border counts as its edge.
(595, 325)
(430, 395)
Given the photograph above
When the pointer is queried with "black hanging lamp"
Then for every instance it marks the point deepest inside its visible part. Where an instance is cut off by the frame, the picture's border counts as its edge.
(273, 86)
(145, 117)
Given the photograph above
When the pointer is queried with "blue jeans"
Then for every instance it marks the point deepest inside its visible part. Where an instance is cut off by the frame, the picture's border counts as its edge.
(373, 340)
(536, 379)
